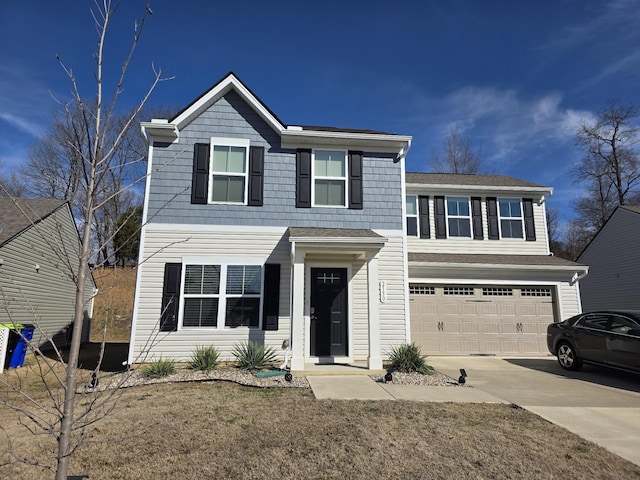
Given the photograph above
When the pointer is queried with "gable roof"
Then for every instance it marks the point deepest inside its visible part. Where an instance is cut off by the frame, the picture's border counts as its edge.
(18, 215)
(631, 208)
(292, 136)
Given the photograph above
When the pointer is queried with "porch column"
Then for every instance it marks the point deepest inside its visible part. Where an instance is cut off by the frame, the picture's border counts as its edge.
(297, 313)
(375, 357)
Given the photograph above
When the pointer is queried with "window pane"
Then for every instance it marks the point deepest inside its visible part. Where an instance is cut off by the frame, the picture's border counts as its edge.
(242, 312)
(252, 279)
(412, 226)
(211, 280)
(459, 227)
(236, 189)
(228, 189)
(220, 155)
(193, 279)
(511, 228)
(411, 206)
(236, 162)
(200, 312)
(329, 163)
(244, 279)
(458, 206)
(329, 192)
(510, 207)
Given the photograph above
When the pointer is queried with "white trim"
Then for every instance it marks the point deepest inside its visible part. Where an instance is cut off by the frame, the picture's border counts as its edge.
(497, 266)
(344, 178)
(188, 228)
(378, 142)
(486, 189)
(228, 142)
(500, 218)
(405, 257)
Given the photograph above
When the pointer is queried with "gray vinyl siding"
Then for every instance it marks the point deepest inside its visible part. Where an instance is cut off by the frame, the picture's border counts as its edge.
(613, 258)
(170, 182)
(45, 299)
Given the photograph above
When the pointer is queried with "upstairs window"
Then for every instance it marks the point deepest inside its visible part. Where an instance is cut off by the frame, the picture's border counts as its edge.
(229, 166)
(458, 217)
(330, 178)
(510, 211)
(412, 215)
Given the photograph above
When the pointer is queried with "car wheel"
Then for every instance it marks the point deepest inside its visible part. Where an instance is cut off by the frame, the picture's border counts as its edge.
(568, 358)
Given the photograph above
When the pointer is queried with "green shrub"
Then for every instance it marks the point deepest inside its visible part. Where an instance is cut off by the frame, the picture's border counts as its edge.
(160, 368)
(205, 358)
(407, 358)
(252, 356)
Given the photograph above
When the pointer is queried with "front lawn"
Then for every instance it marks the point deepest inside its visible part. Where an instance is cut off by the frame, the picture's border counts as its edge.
(226, 431)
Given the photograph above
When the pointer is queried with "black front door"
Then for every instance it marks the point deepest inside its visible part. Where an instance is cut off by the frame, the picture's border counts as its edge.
(329, 312)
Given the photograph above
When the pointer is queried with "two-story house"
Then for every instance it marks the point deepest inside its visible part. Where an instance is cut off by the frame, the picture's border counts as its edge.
(481, 276)
(257, 230)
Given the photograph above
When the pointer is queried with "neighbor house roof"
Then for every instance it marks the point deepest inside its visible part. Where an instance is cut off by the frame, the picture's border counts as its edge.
(467, 179)
(17, 215)
(631, 208)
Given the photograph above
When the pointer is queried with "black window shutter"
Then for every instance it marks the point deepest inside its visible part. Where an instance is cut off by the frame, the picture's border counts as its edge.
(200, 179)
(441, 218)
(256, 176)
(271, 304)
(170, 297)
(303, 178)
(355, 180)
(476, 217)
(492, 217)
(423, 211)
(529, 225)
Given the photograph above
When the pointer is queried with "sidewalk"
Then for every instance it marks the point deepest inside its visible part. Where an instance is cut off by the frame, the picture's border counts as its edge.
(361, 387)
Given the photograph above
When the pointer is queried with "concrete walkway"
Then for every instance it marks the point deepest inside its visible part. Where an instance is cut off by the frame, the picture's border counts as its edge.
(360, 387)
(599, 405)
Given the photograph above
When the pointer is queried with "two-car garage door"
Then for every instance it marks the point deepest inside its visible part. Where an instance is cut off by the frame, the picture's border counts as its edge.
(480, 319)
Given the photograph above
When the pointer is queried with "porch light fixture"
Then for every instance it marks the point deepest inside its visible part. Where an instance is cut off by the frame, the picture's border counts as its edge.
(463, 377)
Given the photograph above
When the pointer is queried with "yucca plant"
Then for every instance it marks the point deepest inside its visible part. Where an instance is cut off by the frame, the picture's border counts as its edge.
(408, 358)
(253, 356)
(205, 358)
(160, 368)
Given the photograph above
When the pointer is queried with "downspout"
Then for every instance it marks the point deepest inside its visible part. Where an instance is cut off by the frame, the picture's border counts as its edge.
(289, 346)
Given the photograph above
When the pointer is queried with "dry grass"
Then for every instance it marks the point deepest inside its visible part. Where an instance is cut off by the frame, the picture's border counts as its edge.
(221, 430)
(113, 305)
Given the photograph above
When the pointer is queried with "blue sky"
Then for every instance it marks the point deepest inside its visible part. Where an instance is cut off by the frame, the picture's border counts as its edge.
(515, 77)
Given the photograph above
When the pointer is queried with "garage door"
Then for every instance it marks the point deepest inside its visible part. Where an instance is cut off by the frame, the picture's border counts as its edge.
(462, 320)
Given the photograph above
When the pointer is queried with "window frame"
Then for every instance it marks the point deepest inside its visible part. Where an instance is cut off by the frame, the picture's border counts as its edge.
(229, 142)
(520, 219)
(415, 215)
(459, 217)
(222, 295)
(344, 179)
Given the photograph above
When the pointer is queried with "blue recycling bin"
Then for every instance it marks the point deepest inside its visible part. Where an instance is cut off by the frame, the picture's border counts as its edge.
(20, 351)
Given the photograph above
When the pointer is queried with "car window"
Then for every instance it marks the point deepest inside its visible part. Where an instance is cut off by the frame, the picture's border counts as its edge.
(622, 324)
(594, 321)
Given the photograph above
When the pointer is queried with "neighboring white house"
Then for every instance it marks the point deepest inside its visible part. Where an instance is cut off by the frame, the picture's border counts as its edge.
(613, 257)
(39, 248)
(258, 230)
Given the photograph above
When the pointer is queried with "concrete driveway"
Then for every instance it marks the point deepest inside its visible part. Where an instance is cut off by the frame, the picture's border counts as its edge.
(600, 405)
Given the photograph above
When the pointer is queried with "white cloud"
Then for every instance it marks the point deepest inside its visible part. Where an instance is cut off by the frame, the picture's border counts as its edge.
(27, 126)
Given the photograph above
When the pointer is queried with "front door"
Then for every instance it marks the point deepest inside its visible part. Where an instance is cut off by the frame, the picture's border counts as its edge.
(328, 312)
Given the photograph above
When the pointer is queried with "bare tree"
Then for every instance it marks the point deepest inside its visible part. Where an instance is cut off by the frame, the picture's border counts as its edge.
(11, 184)
(610, 167)
(56, 167)
(456, 156)
(93, 135)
